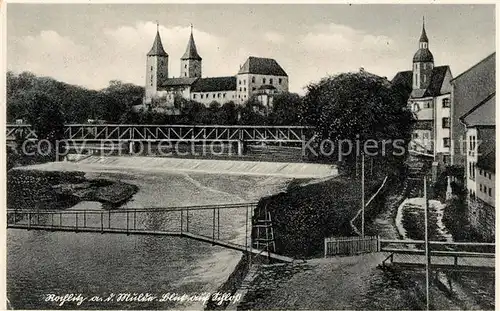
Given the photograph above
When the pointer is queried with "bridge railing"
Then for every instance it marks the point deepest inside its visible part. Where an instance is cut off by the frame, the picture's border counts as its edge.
(137, 132)
(225, 222)
(453, 254)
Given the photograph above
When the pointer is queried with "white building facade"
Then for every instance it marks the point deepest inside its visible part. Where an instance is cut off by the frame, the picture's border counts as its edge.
(430, 101)
(257, 76)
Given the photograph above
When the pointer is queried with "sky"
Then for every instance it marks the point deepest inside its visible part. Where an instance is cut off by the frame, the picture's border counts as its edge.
(91, 44)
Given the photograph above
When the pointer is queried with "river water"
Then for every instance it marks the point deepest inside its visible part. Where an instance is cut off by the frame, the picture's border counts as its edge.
(42, 263)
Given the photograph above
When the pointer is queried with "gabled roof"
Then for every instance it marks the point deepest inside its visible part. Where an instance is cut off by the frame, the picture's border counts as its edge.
(157, 48)
(437, 78)
(216, 84)
(191, 52)
(403, 78)
(483, 114)
(262, 66)
(179, 82)
(487, 58)
(487, 161)
(434, 89)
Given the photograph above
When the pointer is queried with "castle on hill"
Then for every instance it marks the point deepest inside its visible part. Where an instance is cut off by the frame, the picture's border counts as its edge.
(258, 77)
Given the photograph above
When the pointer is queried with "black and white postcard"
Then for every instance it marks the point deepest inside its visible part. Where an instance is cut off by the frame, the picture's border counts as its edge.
(259, 156)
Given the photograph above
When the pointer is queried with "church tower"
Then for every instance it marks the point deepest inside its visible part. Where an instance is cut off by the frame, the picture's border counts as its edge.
(423, 62)
(156, 66)
(191, 60)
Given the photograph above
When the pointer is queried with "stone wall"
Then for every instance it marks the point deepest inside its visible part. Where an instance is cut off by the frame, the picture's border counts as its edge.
(482, 218)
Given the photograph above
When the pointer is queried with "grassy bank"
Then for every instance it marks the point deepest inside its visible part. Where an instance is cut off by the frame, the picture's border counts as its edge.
(304, 215)
(32, 189)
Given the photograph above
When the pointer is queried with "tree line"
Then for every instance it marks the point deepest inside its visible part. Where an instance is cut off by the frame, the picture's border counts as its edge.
(355, 106)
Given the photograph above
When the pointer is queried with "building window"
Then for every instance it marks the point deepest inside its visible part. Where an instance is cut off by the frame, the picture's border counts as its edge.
(270, 81)
(489, 176)
(151, 68)
(489, 192)
(415, 135)
(263, 80)
(446, 103)
(201, 95)
(481, 187)
(446, 123)
(239, 96)
(446, 142)
(427, 105)
(244, 89)
(224, 95)
(253, 79)
(280, 80)
(213, 95)
(218, 95)
(240, 88)
(254, 88)
(185, 66)
(239, 82)
(185, 74)
(194, 96)
(244, 81)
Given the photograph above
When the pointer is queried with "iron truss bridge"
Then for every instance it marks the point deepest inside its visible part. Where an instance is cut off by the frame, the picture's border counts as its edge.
(173, 133)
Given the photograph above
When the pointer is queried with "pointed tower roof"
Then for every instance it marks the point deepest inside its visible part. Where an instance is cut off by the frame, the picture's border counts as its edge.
(191, 52)
(157, 48)
(423, 36)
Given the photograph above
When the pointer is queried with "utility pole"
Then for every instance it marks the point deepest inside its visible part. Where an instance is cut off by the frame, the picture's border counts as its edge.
(362, 194)
(427, 251)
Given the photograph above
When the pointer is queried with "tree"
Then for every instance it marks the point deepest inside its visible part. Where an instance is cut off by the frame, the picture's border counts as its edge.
(46, 119)
(252, 113)
(286, 109)
(355, 108)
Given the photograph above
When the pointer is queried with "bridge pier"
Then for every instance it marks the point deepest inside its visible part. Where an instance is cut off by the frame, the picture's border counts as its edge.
(241, 148)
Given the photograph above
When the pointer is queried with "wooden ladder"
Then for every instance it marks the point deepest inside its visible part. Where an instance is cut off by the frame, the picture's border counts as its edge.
(264, 227)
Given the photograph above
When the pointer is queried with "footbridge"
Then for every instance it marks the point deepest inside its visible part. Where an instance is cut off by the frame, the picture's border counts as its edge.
(445, 256)
(198, 133)
(214, 224)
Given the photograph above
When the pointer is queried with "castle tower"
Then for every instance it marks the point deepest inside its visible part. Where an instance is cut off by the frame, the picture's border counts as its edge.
(423, 62)
(156, 66)
(191, 60)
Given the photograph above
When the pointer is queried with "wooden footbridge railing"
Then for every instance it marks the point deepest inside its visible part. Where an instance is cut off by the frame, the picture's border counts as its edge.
(456, 256)
(214, 224)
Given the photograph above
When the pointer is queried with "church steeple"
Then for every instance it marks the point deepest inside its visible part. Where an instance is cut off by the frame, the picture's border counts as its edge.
(424, 41)
(191, 52)
(423, 62)
(157, 48)
(156, 66)
(191, 60)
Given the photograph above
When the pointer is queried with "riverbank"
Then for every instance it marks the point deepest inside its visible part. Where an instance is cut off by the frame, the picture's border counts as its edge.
(306, 214)
(36, 189)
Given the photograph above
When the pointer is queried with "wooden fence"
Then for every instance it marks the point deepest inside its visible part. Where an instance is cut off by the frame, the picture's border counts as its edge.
(349, 246)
